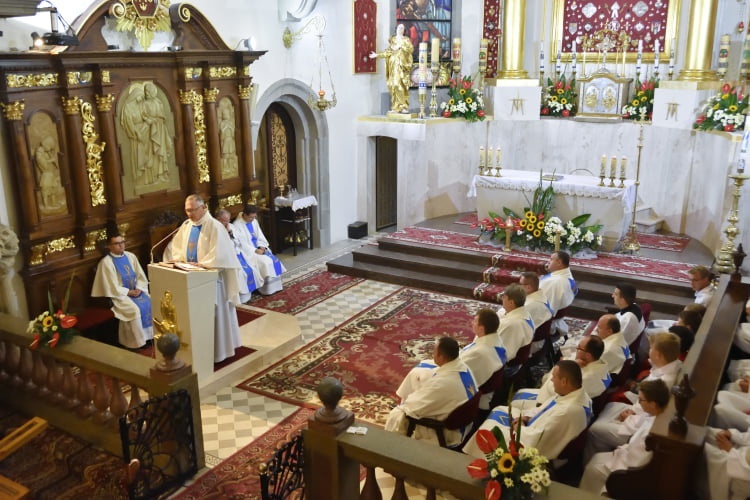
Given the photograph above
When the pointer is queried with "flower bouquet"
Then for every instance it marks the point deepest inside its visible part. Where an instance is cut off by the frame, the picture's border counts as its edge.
(560, 98)
(494, 226)
(724, 111)
(51, 328)
(641, 107)
(464, 101)
(514, 471)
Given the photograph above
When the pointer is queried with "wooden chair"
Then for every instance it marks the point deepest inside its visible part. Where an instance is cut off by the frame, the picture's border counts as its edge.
(543, 333)
(458, 418)
(516, 373)
(493, 386)
(283, 475)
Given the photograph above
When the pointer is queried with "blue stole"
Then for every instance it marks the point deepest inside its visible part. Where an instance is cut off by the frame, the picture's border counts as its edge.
(500, 351)
(530, 323)
(606, 381)
(251, 286)
(192, 246)
(274, 259)
(549, 307)
(552, 403)
(426, 364)
(524, 396)
(626, 352)
(573, 286)
(468, 381)
(500, 416)
(128, 277)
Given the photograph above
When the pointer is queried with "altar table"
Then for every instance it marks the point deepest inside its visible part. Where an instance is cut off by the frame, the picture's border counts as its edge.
(574, 195)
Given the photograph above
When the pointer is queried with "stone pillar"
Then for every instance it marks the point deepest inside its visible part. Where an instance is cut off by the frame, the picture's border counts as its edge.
(514, 27)
(112, 183)
(700, 37)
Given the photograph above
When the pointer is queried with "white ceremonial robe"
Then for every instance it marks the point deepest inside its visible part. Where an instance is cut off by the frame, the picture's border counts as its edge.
(630, 325)
(596, 380)
(108, 283)
(263, 262)
(436, 398)
(728, 472)
(216, 251)
(632, 454)
(551, 428)
(616, 352)
(560, 289)
(540, 311)
(515, 331)
(704, 296)
(742, 337)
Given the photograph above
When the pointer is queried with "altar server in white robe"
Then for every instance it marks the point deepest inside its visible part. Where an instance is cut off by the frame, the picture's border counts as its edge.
(559, 287)
(249, 276)
(451, 385)
(629, 314)
(516, 326)
(204, 240)
(616, 350)
(484, 356)
(120, 277)
(654, 398)
(250, 235)
(727, 455)
(595, 373)
(550, 427)
(700, 282)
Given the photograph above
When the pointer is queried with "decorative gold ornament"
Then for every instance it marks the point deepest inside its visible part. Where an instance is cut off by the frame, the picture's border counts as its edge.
(186, 96)
(123, 228)
(201, 153)
(144, 18)
(93, 155)
(79, 77)
(193, 73)
(245, 92)
(724, 262)
(39, 252)
(246, 71)
(230, 200)
(13, 111)
(222, 71)
(104, 102)
(168, 322)
(92, 237)
(210, 95)
(71, 106)
(33, 80)
(105, 76)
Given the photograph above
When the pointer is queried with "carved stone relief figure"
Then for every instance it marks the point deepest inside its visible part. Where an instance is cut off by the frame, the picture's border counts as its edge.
(42, 134)
(229, 166)
(145, 131)
(8, 252)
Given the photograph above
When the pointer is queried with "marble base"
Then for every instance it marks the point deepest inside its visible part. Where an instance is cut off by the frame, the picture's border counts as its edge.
(514, 103)
(678, 108)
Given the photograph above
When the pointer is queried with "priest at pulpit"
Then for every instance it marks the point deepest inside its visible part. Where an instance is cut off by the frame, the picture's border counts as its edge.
(203, 239)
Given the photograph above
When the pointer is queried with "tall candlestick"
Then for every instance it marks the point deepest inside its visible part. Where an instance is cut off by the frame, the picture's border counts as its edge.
(435, 59)
(422, 93)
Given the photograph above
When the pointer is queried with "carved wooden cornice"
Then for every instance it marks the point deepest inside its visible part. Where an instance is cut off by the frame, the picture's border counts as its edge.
(13, 111)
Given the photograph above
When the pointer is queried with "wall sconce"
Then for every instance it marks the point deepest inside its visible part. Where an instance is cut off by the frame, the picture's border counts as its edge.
(317, 98)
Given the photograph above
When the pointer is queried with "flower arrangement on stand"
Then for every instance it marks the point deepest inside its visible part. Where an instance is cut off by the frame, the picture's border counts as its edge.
(514, 471)
(724, 111)
(463, 101)
(50, 327)
(560, 98)
(641, 107)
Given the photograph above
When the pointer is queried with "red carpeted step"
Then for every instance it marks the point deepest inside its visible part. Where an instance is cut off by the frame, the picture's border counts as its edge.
(520, 263)
(500, 276)
(488, 291)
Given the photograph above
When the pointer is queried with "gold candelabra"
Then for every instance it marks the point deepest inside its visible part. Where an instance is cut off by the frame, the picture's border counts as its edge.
(724, 261)
(630, 242)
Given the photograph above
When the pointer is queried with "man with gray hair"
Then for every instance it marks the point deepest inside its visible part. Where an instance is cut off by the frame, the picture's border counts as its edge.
(516, 327)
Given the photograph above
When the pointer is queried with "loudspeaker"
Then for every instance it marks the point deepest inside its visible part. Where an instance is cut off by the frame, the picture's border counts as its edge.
(357, 230)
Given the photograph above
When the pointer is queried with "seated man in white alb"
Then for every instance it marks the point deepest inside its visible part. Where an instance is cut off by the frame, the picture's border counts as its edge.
(700, 282)
(536, 304)
(616, 350)
(654, 398)
(614, 427)
(727, 455)
(451, 385)
(249, 276)
(484, 356)
(516, 327)
(629, 314)
(559, 287)
(248, 232)
(548, 428)
(742, 335)
(594, 371)
(120, 277)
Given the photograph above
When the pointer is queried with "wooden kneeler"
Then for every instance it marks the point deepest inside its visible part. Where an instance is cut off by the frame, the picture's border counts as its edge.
(10, 490)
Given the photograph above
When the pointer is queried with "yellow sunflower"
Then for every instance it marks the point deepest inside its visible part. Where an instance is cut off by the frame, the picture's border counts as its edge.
(540, 224)
(635, 102)
(522, 223)
(716, 106)
(532, 219)
(47, 321)
(725, 96)
(643, 99)
(468, 100)
(462, 91)
(451, 102)
(528, 214)
(733, 108)
(553, 98)
(563, 100)
(537, 233)
(640, 93)
(560, 91)
(506, 463)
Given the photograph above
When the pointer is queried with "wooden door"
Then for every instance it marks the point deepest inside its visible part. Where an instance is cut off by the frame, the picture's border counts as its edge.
(386, 150)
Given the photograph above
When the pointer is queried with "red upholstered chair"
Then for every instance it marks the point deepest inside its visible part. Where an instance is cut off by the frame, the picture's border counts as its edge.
(460, 417)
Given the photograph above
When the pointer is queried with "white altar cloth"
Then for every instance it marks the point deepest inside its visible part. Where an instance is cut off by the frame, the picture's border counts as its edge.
(574, 195)
(296, 202)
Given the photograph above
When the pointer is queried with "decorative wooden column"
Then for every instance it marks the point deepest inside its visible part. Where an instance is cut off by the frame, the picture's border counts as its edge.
(76, 158)
(701, 29)
(13, 112)
(249, 180)
(112, 184)
(212, 134)
(514, 27)
(187, 98)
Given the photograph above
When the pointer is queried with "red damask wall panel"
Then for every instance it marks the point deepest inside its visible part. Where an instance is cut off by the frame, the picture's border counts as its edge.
(491, 30)
(365, 31)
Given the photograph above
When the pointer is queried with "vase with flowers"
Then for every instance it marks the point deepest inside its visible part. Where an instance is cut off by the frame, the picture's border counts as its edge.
(560, 98)
(515, 471)
(50, 327)
(724, 111)
(463, 101)
(641, 106)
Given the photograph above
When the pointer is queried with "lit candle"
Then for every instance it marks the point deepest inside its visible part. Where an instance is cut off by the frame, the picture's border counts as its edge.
(435, 59)
(723, 65)
(558, 62)
(497, 160)
(604, 166)
(656, 56)
(457, 50)
(423, 68)
(613, 167)
(481, 156)
(541, 59)
(623, 162)
(489, 157)
(639, 57)
(573, 58)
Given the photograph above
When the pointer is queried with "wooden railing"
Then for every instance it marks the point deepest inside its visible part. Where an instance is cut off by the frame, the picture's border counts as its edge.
(82, 387)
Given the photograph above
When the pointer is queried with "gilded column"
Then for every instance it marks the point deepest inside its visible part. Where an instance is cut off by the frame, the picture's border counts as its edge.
(76, 158)
(212, 138)
(700, 37)
(112, 183)
(514, 27)
(13, 112)
(188, 123)
(249, 180)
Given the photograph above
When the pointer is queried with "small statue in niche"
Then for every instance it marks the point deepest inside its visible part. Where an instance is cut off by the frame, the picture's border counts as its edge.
(229, 166)
(52, 194)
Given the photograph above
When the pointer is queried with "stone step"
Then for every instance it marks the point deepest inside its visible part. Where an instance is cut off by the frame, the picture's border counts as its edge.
(647, 220)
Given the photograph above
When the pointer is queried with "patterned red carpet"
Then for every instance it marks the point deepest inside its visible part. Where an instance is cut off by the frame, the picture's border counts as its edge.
(237, 476)
(306, 291)
(618, 263)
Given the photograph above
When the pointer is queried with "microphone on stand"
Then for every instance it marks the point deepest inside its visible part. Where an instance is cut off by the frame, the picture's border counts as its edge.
(171, 233)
